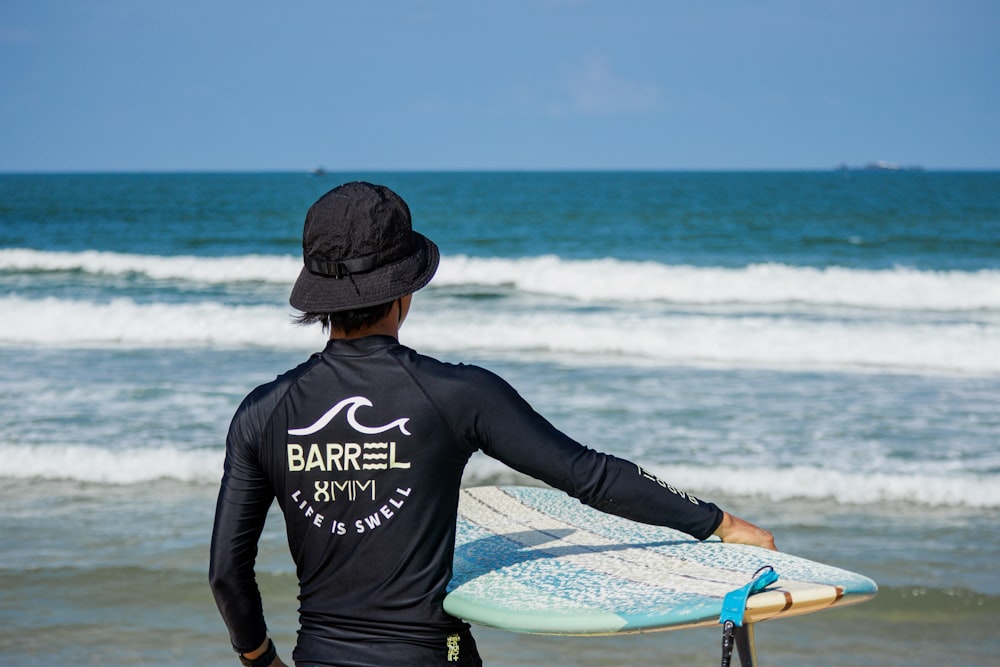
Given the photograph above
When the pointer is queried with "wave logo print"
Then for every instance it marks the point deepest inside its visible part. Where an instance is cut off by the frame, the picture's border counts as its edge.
(352, 404)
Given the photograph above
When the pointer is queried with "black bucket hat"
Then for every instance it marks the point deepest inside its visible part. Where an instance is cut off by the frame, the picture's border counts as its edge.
(359, 251)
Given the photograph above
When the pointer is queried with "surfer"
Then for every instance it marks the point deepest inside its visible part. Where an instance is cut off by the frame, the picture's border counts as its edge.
(373, 564)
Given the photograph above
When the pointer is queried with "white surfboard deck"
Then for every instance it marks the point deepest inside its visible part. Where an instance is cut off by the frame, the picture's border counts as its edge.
(535, 560)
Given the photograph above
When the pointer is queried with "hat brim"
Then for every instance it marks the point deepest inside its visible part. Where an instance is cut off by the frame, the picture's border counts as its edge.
(314, 293)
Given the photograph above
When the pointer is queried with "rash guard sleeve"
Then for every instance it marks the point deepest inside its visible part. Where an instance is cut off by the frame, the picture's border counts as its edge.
(241, 510)
(488, 411)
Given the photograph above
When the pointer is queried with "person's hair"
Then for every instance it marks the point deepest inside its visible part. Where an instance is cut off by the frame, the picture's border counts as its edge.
(347, 321)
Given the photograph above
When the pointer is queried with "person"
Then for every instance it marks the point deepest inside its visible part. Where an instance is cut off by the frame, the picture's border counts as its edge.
(364, 445)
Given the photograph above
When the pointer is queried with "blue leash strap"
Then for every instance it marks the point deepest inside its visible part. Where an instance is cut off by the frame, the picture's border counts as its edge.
(734, 607)
(735, 603)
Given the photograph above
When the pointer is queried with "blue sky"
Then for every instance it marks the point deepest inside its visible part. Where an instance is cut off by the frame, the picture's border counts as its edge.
(147, 85)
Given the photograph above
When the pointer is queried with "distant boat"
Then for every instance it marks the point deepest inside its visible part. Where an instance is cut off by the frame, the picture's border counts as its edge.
(882, 165)
(879, 165)
(318, 171)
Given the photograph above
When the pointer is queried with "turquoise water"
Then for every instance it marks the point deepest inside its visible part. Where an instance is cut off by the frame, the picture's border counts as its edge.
(819, 352)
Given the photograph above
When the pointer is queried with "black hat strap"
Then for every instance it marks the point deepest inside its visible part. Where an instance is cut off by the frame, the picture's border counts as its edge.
(339, 268)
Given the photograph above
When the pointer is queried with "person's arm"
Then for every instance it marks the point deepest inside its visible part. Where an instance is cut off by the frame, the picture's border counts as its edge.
(513, 432)
(737, 531)
(244, 498)
(239, 521)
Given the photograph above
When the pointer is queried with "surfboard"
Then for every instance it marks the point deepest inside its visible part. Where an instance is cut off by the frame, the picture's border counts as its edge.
(535, 560)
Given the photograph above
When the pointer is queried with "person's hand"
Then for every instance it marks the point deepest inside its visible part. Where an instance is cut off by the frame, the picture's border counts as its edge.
(737, 531)
(260, 650)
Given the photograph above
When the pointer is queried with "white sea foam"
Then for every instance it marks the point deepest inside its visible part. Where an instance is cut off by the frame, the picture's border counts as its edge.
(757, 316)
(125, 323)
(846, 488)
(255, 268)
(87, 463)
(614, 280)
(591, 336)
(602, 280)
(742, 341)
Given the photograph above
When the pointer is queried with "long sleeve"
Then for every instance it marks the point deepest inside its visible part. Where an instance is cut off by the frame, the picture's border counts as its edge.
(489, 412)
(241, 510)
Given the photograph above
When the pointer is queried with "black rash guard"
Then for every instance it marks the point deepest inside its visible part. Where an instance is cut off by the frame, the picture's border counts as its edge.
(364, 446)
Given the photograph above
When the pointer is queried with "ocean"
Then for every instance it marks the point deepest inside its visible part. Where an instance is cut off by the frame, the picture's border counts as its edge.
(816, 352)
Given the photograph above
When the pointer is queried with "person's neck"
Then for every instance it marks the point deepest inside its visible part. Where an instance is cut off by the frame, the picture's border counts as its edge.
(384, 327)
(387, 326)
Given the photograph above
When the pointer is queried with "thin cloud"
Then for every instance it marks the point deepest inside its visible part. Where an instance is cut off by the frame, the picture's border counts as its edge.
(593, 89)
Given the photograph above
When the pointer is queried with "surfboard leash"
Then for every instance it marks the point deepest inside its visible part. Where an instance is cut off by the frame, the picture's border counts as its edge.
(734, 605)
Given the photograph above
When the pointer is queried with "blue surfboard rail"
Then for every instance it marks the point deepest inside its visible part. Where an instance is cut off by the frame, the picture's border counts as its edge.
(535, 560)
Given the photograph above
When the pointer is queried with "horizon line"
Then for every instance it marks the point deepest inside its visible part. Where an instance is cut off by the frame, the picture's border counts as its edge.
(320, 172)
